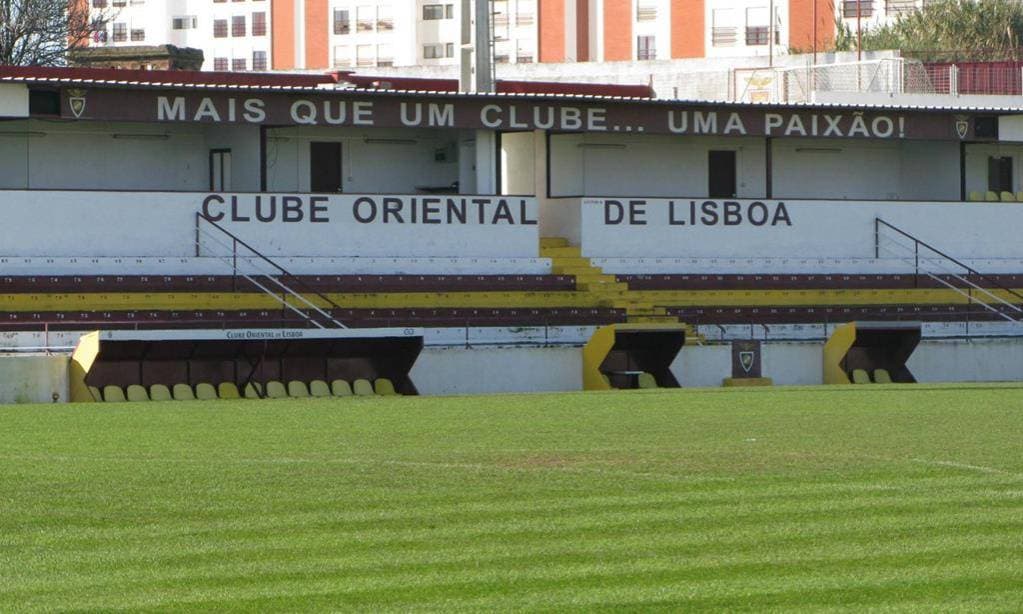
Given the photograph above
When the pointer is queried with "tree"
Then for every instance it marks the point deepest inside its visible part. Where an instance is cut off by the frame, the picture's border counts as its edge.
(42, 32)
(950, 29)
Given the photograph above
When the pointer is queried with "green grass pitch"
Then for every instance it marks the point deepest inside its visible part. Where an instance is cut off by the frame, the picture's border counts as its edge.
(897, 499)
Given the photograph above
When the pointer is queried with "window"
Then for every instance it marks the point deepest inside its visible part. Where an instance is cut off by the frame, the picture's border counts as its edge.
(99, 35)
(342, 21)
(238, 25)
(220, 64)
(259, 24)
(138, 34)
(646, 10)
(646, 48)
(894, 7)
(220, 170)
(342, 56)
(120, 32)
(723, 32)
(433, 12)
(185, 23)
(219, 0)
(999, 174)
(364, 55)
(364, 18)
(258, 60)
(437, 51)
(758, 27)
(238, 64)
(385, 56)
(219, 28)
(119, 3)
(99, 4)
(385, 18)
(849, 8)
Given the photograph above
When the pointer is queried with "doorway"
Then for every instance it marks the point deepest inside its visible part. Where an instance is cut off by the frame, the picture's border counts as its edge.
(721, 174)
(324, 167)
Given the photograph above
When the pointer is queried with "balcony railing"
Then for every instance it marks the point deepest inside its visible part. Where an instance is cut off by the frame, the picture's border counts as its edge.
(849, 8)
(723, 36)
(385, 25)
(646, 13)
(895, 7)
(364, 25)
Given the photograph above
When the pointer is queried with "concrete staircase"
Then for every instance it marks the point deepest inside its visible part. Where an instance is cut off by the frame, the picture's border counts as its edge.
(568, 260)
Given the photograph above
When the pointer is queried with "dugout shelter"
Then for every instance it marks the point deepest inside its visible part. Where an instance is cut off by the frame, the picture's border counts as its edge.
(877, 350)
(624, 356)
(242, 357)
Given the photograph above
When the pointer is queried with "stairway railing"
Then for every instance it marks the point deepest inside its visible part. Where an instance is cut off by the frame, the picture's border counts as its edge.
(931, 262)
(259, 262)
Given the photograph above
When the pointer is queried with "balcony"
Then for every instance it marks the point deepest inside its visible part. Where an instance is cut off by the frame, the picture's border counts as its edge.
(364, 25)
(385, 25)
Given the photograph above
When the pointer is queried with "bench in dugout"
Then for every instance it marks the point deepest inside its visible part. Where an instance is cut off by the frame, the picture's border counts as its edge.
(116, 366)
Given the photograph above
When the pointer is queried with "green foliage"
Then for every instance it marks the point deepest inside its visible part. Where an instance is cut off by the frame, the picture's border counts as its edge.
(902, 498)
(953, 29)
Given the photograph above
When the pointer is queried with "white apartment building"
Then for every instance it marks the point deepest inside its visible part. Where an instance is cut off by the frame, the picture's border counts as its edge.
(234, 35)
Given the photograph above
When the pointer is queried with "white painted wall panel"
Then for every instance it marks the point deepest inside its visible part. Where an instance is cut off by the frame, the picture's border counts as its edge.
(13, 100)
(446, 371)
(793, 364)
(55, 224)
(703, 365)
(39, 378)
(974, 360)
(819, 229)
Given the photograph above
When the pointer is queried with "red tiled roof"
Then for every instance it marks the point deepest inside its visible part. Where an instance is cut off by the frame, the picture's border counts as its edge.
(193, 77)
(503, 86)
(277, 80)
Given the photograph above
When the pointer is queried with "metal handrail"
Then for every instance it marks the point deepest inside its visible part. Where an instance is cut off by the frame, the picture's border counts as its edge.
(284, 272)
(878, 222)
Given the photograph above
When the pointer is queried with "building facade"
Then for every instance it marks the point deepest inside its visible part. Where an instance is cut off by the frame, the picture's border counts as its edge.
(238, 35)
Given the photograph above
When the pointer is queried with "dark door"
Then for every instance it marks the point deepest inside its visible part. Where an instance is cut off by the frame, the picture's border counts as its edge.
(721, 165)
(324, 167)
(999, 174)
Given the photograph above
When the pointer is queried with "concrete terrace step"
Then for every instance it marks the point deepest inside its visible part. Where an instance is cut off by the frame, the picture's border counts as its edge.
(553, 242)
(559, 252)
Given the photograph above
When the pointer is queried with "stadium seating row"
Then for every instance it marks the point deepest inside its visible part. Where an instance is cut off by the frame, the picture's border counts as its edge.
(881, 376)
(273, 389)
(992, 196)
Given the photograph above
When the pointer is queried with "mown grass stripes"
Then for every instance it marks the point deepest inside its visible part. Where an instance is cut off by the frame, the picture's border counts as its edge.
(906, 498)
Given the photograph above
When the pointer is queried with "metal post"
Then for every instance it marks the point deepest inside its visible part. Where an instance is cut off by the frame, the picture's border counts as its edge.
(770, 33)
(813, 13)
(916, 264)
(859, 35)
(877, 239)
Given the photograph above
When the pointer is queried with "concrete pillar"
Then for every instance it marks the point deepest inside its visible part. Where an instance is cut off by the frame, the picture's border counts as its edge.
(486, 162)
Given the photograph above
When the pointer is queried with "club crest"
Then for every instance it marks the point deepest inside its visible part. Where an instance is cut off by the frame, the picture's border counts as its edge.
(746, 359)
(76, 102)
(962, 126)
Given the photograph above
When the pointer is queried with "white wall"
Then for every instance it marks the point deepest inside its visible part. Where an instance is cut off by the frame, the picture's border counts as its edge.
(702, 366)
(819, 230)
(97, 224)
(373, 161)
(243, 142)
(518, 163)
(443, 371)
(33, 378)
(794, 363)
(103, 156)
(977, 165)
(846, 169)
(13, 100)
(649, 165)
(974, 360)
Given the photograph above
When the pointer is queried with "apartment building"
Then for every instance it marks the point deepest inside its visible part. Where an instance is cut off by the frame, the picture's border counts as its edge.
(345, 34)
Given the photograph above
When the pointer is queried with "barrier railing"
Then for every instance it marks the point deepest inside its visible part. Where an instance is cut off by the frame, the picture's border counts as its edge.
(932, 263)
(274, 280)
